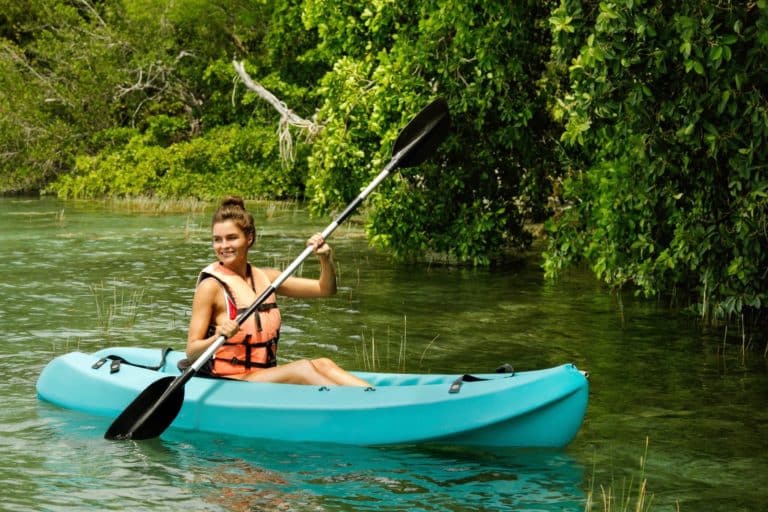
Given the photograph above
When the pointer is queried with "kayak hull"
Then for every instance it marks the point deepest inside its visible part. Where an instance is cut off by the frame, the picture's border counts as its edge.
(541, 408)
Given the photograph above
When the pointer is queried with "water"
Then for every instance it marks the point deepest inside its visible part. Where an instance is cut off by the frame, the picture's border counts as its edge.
(85, 275)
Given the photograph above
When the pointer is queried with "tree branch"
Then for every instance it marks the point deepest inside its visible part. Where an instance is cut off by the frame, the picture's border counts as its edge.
(93, 12)
(288, 117)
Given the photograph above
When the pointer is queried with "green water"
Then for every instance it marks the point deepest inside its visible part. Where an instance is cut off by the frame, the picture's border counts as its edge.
(83, 276)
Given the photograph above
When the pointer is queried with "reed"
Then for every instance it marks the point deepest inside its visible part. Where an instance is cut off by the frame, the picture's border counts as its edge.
(116, 306)
(190, 228)
(401, 354)
(423, 353)
(67, 345)
(151, 204)
(277, 208)
(148, 204)
(367, 354)
(630, 497)
(60, 218)
(370, 354)
(76, 344)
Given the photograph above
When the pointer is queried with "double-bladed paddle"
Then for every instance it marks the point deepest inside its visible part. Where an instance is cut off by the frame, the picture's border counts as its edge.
(157, 406)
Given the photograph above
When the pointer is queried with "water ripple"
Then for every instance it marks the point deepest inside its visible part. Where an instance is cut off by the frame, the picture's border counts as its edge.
(79, 276)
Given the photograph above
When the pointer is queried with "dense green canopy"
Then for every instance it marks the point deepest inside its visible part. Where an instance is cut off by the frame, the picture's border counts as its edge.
(636, 130)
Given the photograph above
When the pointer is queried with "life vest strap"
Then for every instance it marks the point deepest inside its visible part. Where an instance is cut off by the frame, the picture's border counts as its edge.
(271, 359)
(261, 308)
(271, 363)
(261, 344)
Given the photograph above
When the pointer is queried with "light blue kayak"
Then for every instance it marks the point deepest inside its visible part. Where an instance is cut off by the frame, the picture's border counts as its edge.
(541, 408)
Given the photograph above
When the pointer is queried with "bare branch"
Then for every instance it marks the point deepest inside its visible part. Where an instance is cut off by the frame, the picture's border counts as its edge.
(288, 118)
(93, 11)
(44, 81)
(154, 80)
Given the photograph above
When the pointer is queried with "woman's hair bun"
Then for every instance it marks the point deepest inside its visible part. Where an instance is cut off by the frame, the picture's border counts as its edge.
(233, 201)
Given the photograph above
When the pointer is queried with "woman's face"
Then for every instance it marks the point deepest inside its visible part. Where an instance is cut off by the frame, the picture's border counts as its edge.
(230, 243)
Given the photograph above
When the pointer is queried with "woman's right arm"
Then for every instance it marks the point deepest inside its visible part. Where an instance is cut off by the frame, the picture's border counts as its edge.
(204, 313)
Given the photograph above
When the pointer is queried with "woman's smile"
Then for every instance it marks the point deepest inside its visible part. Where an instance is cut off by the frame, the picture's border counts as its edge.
(229, 241)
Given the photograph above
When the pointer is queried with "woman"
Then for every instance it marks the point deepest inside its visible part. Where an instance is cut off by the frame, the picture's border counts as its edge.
(230, 285)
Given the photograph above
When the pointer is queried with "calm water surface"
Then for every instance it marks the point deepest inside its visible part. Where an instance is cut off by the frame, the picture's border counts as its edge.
(86, 275)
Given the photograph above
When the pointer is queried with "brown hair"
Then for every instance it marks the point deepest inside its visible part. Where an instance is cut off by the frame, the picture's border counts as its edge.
(233, 208)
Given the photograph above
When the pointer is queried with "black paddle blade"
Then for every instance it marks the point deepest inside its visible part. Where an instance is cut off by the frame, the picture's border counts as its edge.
(425, 133)
(150, 413)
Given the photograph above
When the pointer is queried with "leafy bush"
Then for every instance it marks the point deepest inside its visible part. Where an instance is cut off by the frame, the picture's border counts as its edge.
(226, 160)
(666, 122)
(389, 60)
(639, 126)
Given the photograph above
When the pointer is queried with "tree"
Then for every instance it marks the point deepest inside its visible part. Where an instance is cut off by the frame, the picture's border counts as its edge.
(165, 117)
(388, 60)
(666, 121)
(53, 82)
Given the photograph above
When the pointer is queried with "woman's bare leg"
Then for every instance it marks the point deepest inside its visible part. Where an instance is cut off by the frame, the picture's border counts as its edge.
(335, 373)
(296, 372)
(318, 372)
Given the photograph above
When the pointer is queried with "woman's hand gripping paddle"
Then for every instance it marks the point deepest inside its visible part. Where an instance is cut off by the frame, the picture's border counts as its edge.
(157, 406)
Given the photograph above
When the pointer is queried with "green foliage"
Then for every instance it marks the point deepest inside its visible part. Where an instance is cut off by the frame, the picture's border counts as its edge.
(74, 70)
(226, 160)
(389, 59)
(28, 158)
(135, 96)
(52, 81)
(666, 122)
(639, 127)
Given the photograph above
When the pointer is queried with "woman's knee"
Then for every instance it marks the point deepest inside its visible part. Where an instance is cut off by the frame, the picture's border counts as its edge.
(304, 371)
(324, 365)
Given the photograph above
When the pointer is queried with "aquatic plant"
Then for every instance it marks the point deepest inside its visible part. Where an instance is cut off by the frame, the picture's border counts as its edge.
(629, 497)
(370, 354)
(151, 204)
(116, 306)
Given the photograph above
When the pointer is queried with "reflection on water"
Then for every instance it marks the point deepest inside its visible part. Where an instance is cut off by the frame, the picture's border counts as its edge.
(82, 276)
(242, 474)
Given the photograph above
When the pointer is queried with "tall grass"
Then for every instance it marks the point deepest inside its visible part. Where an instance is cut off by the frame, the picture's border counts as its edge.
(146, 204)
(630, 497)
(116, 307)
(60, 218)
(371, 353)
(149, 204)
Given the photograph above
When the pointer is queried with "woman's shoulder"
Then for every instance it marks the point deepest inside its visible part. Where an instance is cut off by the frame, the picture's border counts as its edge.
(207, 285)
(268, 272)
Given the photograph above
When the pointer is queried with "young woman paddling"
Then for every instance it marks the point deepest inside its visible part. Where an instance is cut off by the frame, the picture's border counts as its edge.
(231, 284)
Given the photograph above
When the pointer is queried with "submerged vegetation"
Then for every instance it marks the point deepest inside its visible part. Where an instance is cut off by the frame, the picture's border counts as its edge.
(635, 131)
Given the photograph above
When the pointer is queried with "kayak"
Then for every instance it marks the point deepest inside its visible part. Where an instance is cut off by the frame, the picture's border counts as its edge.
(538, 408)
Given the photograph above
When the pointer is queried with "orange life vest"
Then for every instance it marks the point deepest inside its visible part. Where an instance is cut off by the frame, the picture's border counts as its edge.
(255, 346)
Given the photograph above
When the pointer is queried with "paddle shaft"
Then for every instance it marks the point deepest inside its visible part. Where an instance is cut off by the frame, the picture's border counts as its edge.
(326, 233)
(418, 132)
